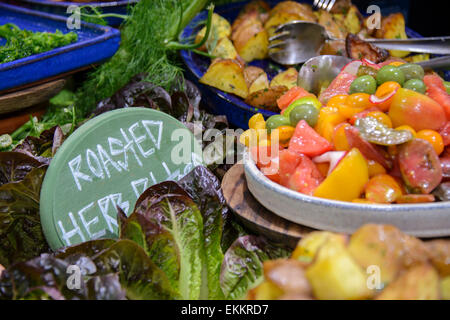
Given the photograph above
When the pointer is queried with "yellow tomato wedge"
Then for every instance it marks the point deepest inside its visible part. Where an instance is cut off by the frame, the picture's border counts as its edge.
(346, 182)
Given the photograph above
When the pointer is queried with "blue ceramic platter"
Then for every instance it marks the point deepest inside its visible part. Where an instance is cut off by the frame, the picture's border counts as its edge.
(60, 7)
(95, 44)
(219, 102)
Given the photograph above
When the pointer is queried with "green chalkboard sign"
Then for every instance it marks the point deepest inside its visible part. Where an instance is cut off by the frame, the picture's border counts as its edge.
(108, 162)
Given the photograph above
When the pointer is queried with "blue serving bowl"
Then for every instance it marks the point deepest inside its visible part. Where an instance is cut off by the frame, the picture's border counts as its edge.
(60, 7)
(218, 102)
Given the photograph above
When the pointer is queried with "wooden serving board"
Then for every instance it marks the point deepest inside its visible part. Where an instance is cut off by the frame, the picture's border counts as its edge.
(23, 99)
(253, 215)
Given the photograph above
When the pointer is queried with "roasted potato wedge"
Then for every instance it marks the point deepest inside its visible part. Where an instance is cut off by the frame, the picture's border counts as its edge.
(445, 288)
(308, 247)
(335, 48)
(288, 275)
(287, 78)
(439, 252)
(225, 49)
(418, 283)
(353, 20)
(341, 6)
(261, 8)
(226, 75)
(388, 248)
(418, 58)
(357, 49)
(251, 73)
(303, 11)
(277, 19)
(334, 275)
(266, 98)
(333, 28)
(220, 28)
(260, 83)
(265, 291)
(393, 27)
(251, 40)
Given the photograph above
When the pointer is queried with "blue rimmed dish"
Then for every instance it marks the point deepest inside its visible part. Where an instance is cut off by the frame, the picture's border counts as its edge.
(95, 44)
(60, 7)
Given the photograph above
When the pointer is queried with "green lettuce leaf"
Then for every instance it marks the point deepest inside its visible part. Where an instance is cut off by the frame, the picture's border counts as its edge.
(242, 267)
(173, 229)
(205, 189)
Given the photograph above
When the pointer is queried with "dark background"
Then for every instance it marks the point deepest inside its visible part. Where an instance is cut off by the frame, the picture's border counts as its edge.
(427, 17)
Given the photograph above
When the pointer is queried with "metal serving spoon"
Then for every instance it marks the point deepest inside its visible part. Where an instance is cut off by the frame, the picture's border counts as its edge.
(297, 41)
(321, 70)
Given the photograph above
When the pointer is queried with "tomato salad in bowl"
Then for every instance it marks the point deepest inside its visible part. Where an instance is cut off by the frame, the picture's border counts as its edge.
(379, 134)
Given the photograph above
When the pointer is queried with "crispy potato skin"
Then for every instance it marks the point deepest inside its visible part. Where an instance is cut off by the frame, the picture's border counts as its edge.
(226, 75)
(266, 98)
(260, 83)
(418, 283)
(303, 11)
(251, 40)
(225, 49)
(439, 251)
(251, 73)
(287, 78)
(393, 27)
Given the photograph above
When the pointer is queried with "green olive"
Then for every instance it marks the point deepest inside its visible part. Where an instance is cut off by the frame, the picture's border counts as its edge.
(366, 71)
(412, 71)
(416, 85)
(447, 86)
(276, 121)
(306, 112)
(363, 84)
(305, 100)
(390, 73)
(5, 141)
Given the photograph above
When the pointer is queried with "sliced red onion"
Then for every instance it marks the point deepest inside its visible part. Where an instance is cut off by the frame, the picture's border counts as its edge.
(369, 63)
(332, 157)
(352, 67)
(376, 100)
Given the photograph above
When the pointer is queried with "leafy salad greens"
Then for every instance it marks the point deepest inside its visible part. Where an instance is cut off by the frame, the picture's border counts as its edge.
(24, 43)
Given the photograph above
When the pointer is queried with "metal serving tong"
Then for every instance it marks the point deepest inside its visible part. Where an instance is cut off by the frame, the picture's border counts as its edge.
(297, 41)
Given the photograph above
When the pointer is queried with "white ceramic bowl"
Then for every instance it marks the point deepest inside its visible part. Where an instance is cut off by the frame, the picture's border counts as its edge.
(420, 220)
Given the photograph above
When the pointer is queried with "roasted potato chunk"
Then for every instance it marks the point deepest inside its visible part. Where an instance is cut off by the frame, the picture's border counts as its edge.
(278, 19)
(265, 291)
(308, 247)
(334, 275)
(251, 73)
(226, 75)
(251, 40)
(353, 20)
(266, 98)
(388, 248)
(418, 58)
(260, 83)
(393, 27)
(418, 283)
(439, 251)
(335, 48)
(445, 288)
(261, 8)
(287, 78)
(333, 28)
(220, 28)
(225, 49)
(288, 275)
(303, 11)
